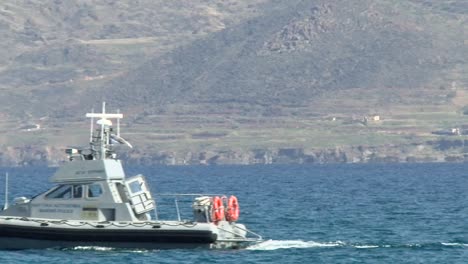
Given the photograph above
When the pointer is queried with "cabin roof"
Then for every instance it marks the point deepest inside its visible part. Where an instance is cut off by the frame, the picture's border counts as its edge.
(89, 171)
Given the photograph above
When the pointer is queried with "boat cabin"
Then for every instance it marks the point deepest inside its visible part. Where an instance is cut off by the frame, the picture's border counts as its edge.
(91, 186)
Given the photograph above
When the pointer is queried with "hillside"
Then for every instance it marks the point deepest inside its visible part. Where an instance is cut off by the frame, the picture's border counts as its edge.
(290, 55)
(52, 49)
(236, 80)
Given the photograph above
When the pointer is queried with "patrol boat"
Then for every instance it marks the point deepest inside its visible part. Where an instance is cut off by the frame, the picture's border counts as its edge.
(94, 204)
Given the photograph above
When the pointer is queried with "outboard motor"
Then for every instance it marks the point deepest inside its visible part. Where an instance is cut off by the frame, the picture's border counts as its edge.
(201, 209)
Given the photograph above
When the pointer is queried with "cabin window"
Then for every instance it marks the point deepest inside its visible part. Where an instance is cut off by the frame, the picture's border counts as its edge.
(62, 192)
(94, 190)
(66, 192)
(77, 191)
(135, 187)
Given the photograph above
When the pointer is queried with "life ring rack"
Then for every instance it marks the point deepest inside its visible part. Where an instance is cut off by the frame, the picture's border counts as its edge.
(232, 212)
(217, 209)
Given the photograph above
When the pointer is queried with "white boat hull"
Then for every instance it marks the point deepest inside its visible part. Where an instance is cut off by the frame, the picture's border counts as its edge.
(26, 233)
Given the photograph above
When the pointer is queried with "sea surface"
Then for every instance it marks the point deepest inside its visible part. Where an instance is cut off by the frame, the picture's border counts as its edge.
(373, 213)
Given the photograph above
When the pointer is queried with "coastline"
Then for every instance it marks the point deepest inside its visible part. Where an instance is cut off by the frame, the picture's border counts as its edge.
(442, 150)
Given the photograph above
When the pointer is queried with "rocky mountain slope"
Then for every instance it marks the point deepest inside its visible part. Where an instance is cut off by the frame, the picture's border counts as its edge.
(53, 49)
(291, 54)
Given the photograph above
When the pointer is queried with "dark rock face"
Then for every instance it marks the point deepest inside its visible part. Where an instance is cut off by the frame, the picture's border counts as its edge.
(299, 34)
(360, 154)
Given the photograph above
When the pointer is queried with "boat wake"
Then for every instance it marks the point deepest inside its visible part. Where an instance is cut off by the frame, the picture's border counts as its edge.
(455, 244)
(97, 248)
(287, 244)
(294, 244)
(92, 248)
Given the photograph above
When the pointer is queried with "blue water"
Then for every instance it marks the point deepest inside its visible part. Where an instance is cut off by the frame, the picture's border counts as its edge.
(381, 213)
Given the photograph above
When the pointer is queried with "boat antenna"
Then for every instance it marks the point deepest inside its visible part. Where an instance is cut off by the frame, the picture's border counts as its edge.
(103, 143)
(118, 123)
(6, 192)
(104, 121)
(91, 130)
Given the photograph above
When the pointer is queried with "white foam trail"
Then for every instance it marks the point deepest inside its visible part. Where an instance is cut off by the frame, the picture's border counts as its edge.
(455, 244)
(285, 244)
(367, 246)
(93, 248)
(97, 248)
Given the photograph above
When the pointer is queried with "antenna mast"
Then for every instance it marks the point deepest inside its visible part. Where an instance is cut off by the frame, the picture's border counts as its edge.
(91, 130)
(103, 141)
(105, 132)
(6, 192)
(118, 123)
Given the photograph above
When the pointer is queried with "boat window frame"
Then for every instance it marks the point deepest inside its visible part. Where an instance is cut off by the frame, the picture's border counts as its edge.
(95, 197)
(72, 192)
(74, 187)
(135, 183)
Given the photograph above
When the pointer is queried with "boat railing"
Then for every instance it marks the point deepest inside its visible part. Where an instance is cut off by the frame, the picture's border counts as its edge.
(179, 197)
(257, 238)
(164, 199)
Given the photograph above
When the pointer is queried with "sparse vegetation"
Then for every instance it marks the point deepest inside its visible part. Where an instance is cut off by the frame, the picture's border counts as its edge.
(236, 75)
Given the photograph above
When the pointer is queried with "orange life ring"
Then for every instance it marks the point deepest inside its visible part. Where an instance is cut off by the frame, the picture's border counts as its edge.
(232, 212)
(217, 209)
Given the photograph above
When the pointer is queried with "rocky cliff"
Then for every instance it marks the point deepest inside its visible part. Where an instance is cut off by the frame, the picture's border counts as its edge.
(434, 151)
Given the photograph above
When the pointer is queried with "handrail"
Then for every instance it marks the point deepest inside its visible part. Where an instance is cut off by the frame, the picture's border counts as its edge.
(249, 231)
(259, 237)
(177, 208)
(187, 194)
(176, 201)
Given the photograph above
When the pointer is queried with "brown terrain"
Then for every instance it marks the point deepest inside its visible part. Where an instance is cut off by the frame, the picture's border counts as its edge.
(237, 82)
